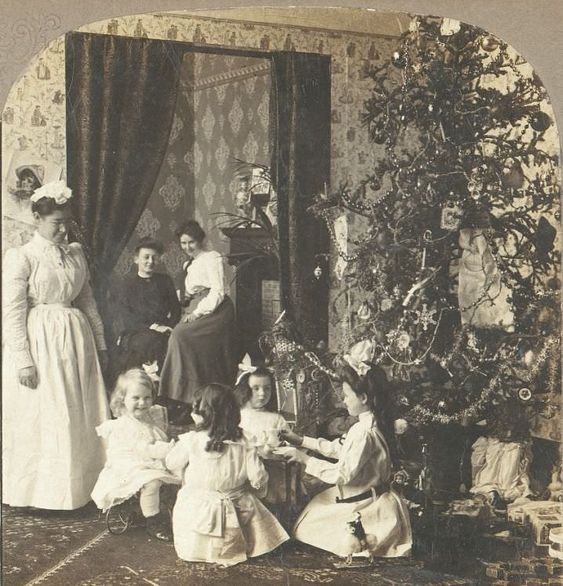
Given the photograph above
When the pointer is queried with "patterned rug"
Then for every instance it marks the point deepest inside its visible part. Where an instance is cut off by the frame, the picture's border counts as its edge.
(60, 549)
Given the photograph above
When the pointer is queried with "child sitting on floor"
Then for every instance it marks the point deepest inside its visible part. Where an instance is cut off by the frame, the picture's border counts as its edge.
(259, 419)
(217, 517)
(136, 444)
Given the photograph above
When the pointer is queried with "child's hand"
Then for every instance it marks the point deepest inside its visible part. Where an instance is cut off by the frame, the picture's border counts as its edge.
(292, 454)
(291, 437)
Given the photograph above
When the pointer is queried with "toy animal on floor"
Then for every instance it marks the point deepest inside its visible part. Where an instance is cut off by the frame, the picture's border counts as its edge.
(357, 541)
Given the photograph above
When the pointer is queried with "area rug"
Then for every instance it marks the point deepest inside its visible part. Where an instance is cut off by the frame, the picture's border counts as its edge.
(75, 549)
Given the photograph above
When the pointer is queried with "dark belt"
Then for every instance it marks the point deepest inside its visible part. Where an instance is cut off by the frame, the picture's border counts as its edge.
(379, 490)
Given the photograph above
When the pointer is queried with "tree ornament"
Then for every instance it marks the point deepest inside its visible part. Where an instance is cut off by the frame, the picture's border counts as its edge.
(424, 317)
(318, 272)
(540, 121)
(449, 27)
(398, 59)
(364, 312)
(451, 217)
(400, 426)
(489, 44)
(524, 394)
(375, 184)
(513, 176)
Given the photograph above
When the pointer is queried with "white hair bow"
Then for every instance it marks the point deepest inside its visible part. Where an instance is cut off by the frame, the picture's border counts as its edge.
(56, 190)
(245, 367)
(360, 355)
(151, 368)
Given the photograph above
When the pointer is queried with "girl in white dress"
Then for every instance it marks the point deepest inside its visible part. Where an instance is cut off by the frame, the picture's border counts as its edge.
(136, 445)
(360, 476)
(259, 419)
(53, 391)
(217, 517)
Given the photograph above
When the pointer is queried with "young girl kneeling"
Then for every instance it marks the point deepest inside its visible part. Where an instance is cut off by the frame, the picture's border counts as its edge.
(360, 478)
(217, 517)
(136, 444)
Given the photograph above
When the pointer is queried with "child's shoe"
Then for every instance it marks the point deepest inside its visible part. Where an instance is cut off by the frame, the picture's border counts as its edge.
(158, 529)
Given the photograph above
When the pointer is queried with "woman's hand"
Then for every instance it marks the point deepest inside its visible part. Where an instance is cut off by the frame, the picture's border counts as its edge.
(28, 377)
(292, 454)
(291, 437)
(160, 328)
(189, 318)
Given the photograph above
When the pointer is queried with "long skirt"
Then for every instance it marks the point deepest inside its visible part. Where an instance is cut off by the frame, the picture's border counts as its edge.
(51, 453)
(324, 523)
(200, 353)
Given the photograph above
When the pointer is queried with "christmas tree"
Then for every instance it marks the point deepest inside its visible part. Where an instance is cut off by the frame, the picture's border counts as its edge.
(456, 269)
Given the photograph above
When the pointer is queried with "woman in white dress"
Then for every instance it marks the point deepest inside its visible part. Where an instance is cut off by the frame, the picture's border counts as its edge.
(201, 349)
(361, 477)
(53, 391)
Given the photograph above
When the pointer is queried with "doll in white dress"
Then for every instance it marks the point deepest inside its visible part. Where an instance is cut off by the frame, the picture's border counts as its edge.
(218, 517)
(360, 478)
(53, 391)
(136, 445)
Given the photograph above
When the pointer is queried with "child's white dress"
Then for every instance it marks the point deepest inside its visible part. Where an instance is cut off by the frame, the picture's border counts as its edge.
(217, 517)
(135, 456)
(258, 424)
(363, 464)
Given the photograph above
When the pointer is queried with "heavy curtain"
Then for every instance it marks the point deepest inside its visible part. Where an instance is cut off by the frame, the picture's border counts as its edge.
(300, 170)
(120, 100)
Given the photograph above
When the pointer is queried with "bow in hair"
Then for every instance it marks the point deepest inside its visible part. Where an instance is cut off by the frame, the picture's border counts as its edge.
(245, 367)
(360, 356)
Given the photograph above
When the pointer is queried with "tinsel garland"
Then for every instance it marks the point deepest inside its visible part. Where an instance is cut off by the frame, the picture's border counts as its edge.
(424, 415)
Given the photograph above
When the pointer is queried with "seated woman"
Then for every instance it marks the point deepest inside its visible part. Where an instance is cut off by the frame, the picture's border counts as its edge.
(361, 476)
(148, 308)
(201, 349)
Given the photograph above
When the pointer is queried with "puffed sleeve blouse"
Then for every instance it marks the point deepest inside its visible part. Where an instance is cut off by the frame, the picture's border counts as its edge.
(43, 272)
(206, 272)
(363, 457)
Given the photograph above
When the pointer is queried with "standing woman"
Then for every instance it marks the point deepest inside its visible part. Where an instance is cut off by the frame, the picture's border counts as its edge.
(201, 349)
(53, 391)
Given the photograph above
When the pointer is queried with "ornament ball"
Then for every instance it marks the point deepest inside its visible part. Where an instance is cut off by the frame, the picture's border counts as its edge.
(540, 121)
(489, 44)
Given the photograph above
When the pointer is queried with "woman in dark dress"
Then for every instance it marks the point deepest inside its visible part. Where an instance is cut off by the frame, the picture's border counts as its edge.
(149, 308)
(201, 349)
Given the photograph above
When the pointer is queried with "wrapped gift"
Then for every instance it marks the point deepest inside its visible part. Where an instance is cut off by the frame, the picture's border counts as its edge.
(520, 512)
(476, 509)
(556, 542)
(542, 522)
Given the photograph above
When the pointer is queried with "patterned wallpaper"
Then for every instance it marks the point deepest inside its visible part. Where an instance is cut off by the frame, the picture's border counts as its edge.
(232, 121)
(34, 116)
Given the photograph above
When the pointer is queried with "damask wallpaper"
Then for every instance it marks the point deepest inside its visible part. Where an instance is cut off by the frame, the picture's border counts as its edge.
(34, 116)
(33, 125)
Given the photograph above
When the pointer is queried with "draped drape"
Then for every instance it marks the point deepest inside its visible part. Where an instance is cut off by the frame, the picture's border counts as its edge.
(300, 170)
(120, 99)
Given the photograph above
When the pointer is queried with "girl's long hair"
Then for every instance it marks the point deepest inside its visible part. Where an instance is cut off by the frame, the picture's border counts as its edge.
(217, 405)
(375, 386)
(243, 392)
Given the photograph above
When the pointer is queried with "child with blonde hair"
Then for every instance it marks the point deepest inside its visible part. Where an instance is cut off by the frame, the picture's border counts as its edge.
(136, 445)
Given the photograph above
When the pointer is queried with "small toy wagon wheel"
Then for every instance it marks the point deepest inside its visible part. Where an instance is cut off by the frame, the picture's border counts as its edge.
(118, 520)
